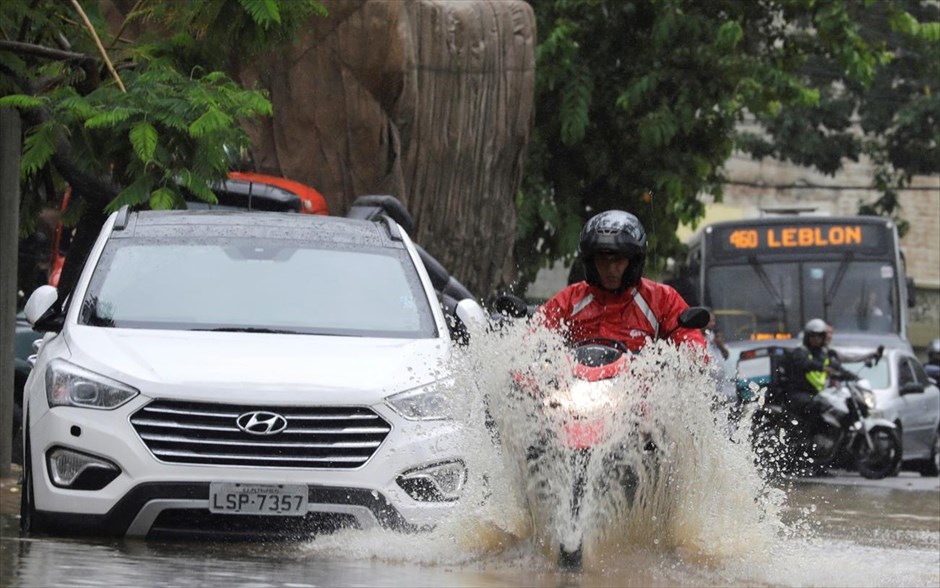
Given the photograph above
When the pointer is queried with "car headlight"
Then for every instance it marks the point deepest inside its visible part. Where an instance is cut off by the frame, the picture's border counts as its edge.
(70, 385)
(869, 397)
(438, 482)
(425, 404)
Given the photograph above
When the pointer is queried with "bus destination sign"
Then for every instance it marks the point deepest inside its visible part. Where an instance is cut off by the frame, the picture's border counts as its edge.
(798, 237)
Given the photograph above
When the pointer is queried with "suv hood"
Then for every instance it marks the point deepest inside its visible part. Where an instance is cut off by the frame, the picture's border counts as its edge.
(271, 366)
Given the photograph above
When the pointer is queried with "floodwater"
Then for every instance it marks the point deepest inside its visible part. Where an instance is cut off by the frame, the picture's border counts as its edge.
(692, 510)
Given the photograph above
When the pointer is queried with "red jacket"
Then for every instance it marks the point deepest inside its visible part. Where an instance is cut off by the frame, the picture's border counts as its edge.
(587, 312)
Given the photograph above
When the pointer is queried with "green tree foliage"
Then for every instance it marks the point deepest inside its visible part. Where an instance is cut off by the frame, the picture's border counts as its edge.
(895, 121)
(160, 123)
(638, 102)
(134, 116)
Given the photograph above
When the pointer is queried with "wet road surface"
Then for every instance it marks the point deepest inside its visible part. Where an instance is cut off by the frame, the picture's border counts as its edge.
(842, 531)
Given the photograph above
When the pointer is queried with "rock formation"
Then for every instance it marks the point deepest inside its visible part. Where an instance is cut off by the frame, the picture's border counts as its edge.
(427, 100)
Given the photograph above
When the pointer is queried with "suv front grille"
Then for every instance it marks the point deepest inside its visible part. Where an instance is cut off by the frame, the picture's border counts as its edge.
(207, 434)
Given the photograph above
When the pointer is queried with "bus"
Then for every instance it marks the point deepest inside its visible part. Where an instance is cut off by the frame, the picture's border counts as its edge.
(765, 277)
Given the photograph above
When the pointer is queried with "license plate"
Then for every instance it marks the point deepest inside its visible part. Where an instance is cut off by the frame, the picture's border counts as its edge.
(258, 499)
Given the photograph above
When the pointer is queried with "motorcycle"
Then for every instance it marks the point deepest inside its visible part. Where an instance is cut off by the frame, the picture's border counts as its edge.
(845, 435)
(576, 439)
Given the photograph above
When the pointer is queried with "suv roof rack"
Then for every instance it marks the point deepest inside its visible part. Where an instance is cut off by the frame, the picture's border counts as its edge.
(372, 206)
(120, 223)
(393, 230)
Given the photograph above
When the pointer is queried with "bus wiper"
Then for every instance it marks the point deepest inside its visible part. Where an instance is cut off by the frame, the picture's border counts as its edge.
(250, 330)
(765, 280)
(830, 292)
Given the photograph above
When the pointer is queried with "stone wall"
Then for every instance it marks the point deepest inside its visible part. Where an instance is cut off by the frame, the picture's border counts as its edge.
(430, 101)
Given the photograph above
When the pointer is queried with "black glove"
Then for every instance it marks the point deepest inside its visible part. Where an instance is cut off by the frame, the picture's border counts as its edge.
(846, 375)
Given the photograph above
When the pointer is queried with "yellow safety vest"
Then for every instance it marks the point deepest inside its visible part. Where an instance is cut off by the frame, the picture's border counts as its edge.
(817, 378)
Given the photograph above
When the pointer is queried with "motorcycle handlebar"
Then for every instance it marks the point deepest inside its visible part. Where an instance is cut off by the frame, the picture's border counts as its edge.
(843, 374)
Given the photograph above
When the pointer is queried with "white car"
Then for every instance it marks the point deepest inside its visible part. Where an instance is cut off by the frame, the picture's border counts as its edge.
(905, 396)
(259, 374)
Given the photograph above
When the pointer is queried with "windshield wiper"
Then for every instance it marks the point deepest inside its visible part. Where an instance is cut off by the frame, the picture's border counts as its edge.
(830, 293)
(765, 280)
(251, 330)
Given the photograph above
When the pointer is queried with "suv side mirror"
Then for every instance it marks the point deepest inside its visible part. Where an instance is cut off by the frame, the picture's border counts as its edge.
(39, 303)
(472, 315)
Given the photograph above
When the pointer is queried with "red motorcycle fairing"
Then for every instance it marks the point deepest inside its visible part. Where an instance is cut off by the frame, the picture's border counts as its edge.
(582, 433)
(601, 372)
(578, 431)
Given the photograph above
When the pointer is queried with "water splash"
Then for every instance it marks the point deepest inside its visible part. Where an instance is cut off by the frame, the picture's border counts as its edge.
(696, 510)
(666, 473)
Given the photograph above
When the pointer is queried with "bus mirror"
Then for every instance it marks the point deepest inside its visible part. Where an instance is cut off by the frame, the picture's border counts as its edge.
(911, 292)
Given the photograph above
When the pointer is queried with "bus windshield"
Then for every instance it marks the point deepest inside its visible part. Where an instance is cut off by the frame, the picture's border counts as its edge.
(780, 296)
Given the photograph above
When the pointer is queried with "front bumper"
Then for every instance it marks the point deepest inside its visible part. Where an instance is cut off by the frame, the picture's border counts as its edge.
(152, 498)
(181, 509)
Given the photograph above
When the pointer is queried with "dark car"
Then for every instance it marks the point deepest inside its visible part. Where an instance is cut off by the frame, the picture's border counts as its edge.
(25, 337)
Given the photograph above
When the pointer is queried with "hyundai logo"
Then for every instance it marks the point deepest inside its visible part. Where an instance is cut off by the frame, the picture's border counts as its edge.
(260, 422)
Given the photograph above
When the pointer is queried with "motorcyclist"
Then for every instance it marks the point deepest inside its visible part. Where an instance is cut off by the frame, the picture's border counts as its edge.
(615, 301)
(809, 369)
(933, 359)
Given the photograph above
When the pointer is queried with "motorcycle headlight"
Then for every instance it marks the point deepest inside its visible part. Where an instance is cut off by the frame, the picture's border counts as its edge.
(425, 404)
(869, 398)
(588, 397)
(70, 385)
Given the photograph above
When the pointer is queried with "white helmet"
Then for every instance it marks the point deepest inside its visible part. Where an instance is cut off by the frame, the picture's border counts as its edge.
(816, 325)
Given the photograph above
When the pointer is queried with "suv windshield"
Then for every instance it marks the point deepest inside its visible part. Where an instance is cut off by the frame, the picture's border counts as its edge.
(257, 285)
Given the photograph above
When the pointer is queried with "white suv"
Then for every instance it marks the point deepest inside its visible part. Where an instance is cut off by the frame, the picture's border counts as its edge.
(258, 374)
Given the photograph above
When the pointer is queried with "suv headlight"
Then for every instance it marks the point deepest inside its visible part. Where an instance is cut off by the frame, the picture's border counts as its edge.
(438, 482)
(70, 385)
(429, 403)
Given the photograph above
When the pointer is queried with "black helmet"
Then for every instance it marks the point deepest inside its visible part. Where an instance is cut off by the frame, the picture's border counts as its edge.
(615, 231)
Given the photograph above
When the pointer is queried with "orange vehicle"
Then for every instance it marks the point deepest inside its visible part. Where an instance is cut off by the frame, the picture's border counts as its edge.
(313, 202)
(242, 190)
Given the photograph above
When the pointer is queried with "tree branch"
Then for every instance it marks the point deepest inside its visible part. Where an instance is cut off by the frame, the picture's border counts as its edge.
(101, 50)
(41, 51)
(127, 20)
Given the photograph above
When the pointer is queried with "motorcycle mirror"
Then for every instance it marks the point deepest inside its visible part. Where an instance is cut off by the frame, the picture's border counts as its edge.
(694, 317)
(511, 306)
